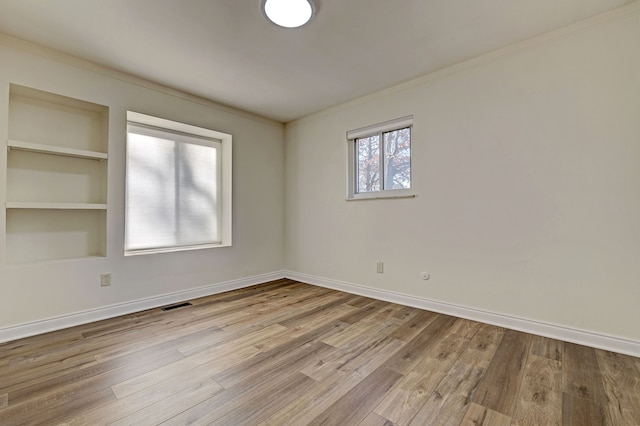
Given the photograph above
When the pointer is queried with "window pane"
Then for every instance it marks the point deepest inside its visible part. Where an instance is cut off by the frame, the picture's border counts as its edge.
(197, 199)
(397, 159)
(151, 195)
(368, 163)
(173, 187)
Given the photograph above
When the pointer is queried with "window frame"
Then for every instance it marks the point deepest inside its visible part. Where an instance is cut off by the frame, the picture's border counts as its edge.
(225, 142)
(352, 160)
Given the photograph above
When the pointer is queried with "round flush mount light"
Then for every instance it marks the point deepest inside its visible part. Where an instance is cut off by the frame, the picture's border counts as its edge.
(289, 13)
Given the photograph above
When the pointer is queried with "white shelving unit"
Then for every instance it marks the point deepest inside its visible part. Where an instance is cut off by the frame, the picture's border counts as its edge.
(56, 177)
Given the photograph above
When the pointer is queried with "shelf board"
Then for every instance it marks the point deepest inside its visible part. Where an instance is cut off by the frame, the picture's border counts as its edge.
(18, 263)
(54, 206)
(55, 150)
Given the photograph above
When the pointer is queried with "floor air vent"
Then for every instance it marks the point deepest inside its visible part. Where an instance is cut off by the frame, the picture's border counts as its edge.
(176, 306)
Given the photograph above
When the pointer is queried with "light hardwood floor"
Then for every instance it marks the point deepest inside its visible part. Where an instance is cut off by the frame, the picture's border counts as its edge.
(287, 353)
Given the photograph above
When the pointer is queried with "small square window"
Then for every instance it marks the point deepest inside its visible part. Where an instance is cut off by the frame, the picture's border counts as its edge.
(380, 160)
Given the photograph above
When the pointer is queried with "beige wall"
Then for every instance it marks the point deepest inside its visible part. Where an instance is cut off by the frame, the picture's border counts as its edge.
(526, 166)
(47, 290)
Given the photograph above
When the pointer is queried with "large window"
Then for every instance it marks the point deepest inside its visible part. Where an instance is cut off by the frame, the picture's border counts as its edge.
(380, 160)
(178, 186)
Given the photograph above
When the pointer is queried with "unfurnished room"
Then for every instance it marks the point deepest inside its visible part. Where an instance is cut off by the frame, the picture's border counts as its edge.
(320, 212)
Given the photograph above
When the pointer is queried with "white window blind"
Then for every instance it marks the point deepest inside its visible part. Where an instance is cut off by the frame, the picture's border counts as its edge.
(173, 189)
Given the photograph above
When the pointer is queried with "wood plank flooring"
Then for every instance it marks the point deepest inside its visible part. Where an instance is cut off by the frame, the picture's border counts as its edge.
(288, 353)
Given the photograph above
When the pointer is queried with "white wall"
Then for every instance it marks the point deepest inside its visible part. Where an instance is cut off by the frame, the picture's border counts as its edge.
(526, 165)
(48, 290)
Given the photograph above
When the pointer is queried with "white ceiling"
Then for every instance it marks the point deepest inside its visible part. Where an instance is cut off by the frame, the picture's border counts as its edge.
(225, 51)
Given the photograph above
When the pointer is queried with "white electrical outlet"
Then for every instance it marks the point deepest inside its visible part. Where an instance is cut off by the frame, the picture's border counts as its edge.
(105, 280)
(380, 266)
(425, 275)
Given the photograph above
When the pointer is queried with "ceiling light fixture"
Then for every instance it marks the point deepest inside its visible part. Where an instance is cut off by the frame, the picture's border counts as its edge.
(289, 13)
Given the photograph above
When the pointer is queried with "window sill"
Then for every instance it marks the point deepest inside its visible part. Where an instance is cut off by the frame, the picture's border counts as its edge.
(175, 249)
(380, 196)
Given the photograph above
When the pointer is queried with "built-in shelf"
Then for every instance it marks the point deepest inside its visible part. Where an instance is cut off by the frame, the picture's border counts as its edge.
(56, 179)
(55, 150)
(29, 262)
(37, 235)
(55, 206)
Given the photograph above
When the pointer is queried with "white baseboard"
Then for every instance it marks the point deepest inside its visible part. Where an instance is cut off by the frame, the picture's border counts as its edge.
(581, 337)
(65, 321)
